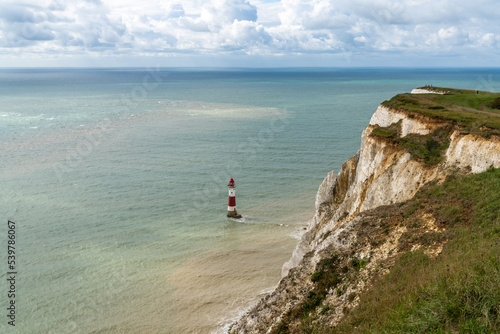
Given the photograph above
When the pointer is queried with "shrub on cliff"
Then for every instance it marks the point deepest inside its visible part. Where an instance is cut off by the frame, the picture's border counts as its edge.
(496, 103)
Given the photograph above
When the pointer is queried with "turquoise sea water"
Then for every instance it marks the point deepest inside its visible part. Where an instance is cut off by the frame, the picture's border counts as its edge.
(117, 182)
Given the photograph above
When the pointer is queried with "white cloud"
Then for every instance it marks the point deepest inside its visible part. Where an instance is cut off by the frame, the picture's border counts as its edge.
(84, 24)
(314, 15)
(176, 10)
(360, 39)
(128, 27)
(245, 35)
(452, 36)
(488, 40)
(217, 13)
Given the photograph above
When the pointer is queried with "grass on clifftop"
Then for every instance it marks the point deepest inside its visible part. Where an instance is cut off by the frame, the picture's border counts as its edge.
(472, 110)
(427, 148)
(457, 292)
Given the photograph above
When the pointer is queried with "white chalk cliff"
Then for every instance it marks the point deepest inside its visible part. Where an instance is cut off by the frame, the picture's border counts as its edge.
(428, 90)
(380, 173)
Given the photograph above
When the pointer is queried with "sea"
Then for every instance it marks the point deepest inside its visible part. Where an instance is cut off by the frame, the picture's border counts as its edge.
(113, 192)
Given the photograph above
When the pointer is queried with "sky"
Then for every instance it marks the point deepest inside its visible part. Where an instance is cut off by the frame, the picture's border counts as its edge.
(249, 33)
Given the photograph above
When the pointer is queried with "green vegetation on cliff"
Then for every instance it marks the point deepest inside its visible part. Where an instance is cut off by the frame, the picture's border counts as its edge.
(428, 148)
(474, 111)
(454, 291)
(459, 290)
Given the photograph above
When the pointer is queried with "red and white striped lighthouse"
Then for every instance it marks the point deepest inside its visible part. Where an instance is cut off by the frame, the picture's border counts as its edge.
(231, 206)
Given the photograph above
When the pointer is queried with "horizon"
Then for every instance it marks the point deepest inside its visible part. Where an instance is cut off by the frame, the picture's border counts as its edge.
(233, 68)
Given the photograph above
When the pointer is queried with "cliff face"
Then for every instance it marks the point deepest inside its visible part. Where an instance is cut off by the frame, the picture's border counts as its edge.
(380, 174)
(348, 209)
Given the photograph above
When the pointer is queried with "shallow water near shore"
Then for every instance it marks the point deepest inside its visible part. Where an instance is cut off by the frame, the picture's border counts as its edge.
(117, 182)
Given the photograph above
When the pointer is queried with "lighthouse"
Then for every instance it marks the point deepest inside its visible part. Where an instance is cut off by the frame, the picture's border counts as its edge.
(231, 206)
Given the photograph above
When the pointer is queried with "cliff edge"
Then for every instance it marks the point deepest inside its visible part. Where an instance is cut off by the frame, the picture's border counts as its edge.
(366, 217)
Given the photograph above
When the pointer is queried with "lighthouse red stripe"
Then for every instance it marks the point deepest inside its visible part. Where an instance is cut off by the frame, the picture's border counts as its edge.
(232, 201)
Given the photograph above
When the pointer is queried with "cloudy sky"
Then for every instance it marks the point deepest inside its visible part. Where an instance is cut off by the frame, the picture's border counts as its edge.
(249, 33)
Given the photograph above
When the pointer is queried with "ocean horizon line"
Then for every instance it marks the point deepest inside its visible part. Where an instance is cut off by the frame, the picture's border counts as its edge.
(251, 68)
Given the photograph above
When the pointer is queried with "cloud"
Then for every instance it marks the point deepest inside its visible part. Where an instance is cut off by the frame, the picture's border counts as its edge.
(314, 15)
(23, 26)
(244, 35)
(127, 27)
(218, 13)
(452, 36)
(85, 24)
(176, 11)
(16, 14)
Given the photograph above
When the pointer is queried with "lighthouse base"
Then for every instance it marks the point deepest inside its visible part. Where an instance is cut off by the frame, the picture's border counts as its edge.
(233, 214)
